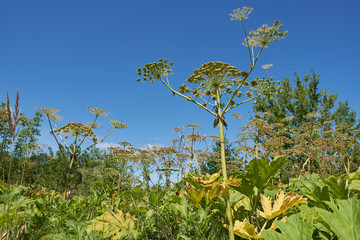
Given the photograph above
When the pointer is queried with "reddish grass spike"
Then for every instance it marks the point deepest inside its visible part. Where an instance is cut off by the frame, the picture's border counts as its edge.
(9, 113)
(17, 110)
(15, 119)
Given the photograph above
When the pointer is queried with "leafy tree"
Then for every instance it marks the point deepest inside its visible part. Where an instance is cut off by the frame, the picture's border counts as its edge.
(302, 102)
(30, 130)
(309, 125)
(213, 162)
(5, 140)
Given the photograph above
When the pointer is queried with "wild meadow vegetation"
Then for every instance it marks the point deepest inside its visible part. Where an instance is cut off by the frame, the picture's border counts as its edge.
(292, 173)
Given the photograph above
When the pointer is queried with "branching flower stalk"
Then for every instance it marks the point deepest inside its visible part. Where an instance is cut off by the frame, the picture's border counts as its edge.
(217, 81)
(80, 132)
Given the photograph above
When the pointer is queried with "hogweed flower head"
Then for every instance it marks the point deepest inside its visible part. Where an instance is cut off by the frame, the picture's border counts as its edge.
(74, 128)
(94, 125)
(266, 66)
(265, 35)
(241, 13)
(195, 137)
(98, 112)
(154, 71)
(50, 113)
(193, 126)
(212, 77)
(118, 124)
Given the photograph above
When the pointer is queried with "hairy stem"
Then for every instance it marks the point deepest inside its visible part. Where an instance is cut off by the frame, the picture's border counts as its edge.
(223, 165)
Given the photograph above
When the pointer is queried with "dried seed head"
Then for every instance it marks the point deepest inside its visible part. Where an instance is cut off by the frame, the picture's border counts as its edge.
(193, 126)
(196, 137)
(50, 113)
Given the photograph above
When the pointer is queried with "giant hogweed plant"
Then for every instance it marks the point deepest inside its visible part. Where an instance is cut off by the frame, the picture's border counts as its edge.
(216, 85)
(80, 132)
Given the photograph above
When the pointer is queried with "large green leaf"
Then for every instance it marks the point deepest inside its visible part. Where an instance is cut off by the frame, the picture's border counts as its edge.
(354, 185)
(258, 174)
(337, 187)
(320, 190)
(344, 220)
(355, 175)
(297, 227)
(354, 180)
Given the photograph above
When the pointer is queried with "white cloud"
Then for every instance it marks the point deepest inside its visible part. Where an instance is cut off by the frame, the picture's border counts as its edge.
(155, 138)
(149, 146)
(105, 145)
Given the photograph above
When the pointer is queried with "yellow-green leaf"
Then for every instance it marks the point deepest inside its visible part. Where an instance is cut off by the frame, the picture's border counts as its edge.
(245, 229)
(281, 204)
(214, 191)
(211, 180)
(115, 225)
(196, 195)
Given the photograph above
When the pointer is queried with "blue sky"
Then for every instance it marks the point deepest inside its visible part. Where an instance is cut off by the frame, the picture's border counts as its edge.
(72, 55)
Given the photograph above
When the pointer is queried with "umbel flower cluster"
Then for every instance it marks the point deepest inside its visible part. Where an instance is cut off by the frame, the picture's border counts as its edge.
(211, 78)
(154, 71)
(74, 128)
(265, 35)
(214, 77)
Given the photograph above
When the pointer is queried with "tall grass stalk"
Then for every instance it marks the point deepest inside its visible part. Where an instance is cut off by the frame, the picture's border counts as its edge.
(13, 118)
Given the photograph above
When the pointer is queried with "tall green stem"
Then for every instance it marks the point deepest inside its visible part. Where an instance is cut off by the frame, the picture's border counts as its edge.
(73, 157)
(223, 165)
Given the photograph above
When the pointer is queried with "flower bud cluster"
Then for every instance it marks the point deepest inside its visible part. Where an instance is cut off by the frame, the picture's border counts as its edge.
(154, 71)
